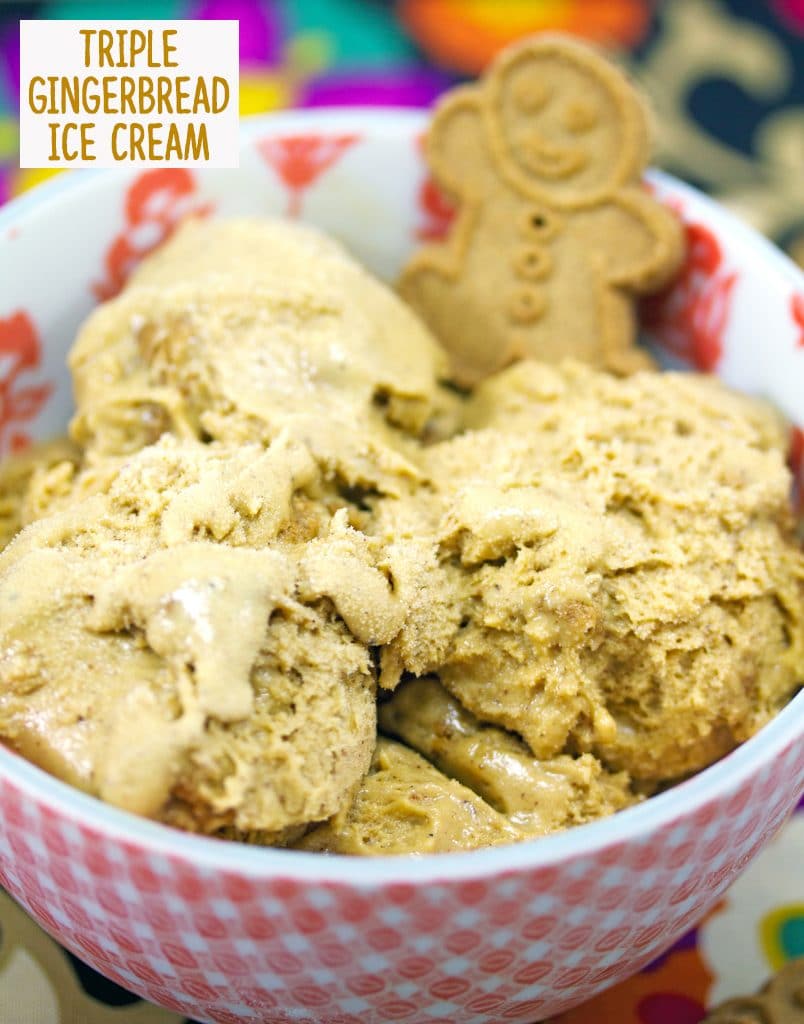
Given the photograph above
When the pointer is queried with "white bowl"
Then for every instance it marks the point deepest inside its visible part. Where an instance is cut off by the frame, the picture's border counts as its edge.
(226, 932)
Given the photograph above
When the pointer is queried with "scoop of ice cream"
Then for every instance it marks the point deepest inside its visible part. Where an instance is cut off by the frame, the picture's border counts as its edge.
(536, 796)
(620, 562)
(155, 650)
(236, 330)
(19, 472)
(405, 805)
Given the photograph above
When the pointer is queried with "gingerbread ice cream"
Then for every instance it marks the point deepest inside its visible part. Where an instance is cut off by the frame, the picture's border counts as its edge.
(612, 567)
(235, 330)
(295, 584)
(155, 650)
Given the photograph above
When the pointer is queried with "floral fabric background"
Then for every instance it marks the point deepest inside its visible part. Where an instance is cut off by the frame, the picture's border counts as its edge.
(726, 76)
(727, 82)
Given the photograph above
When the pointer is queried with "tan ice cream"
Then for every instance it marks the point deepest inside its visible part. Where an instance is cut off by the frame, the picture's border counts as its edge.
(235, 330)
(405, 805)
(19, 472)
(615, 564)
(597, 577)
(536, 796)
(155, 650)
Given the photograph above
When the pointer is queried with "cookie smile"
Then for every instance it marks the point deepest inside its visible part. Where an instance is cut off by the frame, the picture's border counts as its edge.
(551, 160)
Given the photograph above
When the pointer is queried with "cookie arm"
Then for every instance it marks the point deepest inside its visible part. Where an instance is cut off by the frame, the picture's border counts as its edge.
(455, 146)
(642, 241)
(458, 160)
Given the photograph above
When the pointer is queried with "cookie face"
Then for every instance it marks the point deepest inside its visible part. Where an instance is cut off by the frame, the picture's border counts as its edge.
(565, 124)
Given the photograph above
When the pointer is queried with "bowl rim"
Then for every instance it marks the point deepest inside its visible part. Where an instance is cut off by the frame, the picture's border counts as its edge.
(266, 863)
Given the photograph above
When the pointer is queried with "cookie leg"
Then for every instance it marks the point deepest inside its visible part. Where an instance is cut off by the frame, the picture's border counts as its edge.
(621, 354)
(439, 300)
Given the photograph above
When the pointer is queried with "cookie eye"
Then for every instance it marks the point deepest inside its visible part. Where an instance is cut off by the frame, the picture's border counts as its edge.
(530, 95)
(580, 116)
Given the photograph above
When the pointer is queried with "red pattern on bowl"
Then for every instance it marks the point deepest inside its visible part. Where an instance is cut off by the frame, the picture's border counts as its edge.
(690, 319)
(220, 944)
(300, 160)
(155, 204)
(20, 400)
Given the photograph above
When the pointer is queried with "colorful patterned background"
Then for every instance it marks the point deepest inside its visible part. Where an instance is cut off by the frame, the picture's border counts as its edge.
(726, 76)
(727, 82)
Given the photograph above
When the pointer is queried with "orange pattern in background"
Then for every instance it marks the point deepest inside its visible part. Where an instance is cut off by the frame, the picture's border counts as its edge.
(466, 34)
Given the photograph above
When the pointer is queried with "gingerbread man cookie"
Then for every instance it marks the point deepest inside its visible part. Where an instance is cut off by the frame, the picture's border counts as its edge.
(781, 1001)
(555, 234)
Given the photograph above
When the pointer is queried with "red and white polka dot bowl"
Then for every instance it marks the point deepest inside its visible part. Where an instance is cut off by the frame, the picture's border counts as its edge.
(223, 932)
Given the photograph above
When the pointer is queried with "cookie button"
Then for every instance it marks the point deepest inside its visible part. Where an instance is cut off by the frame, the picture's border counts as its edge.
(533, 263)
(540, 223)
(527, 305)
